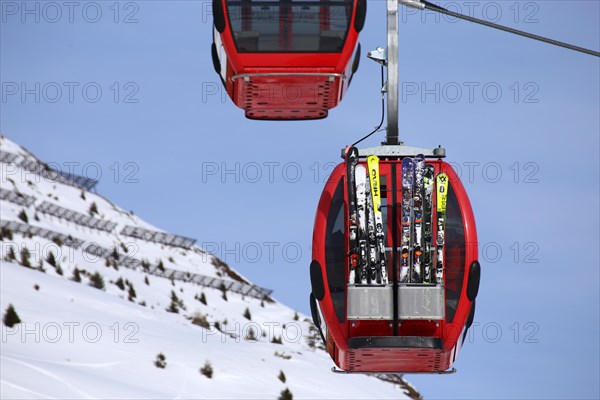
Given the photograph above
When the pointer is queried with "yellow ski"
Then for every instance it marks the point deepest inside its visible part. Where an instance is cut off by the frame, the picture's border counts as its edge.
(378, 274)
(442, 191)
(373, 164)
(442, 195)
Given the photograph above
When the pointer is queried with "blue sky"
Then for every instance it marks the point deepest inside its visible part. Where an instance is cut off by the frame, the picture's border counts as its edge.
(519, 119)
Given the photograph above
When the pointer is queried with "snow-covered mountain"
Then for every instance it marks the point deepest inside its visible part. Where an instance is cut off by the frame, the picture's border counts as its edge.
(112, 307)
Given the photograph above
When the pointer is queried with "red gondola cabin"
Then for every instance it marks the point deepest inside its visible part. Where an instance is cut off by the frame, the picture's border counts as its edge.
(289, 59)
(431, 319)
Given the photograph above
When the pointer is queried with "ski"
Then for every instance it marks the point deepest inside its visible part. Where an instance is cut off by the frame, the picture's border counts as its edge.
(381, 268)
(371, 238)
(407, 197)
(353, 256)
(428, 180)
(361, 202)
(418, 194)
(441, 197)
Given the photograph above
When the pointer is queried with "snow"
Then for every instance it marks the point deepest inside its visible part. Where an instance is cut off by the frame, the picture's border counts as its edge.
(76, 341)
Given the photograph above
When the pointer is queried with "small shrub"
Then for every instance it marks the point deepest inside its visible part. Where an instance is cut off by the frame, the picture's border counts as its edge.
(176, 303)
(76, 277)
(131, 294)
(145, 264)
(57, 240)
(11, 318)
(203, 299)
(59, 270)
(11, 256)
(40, 267)
(296, 316)
(207, 370)
(93, 209)
(200, 320)
(247, 314)
(171, 259)
(223, 289)
(36, 286)
(160, 265)
(251, 336)
(23, 216)
(161, 361)
(6, 233)
(276, 340)
(51, 259)
(146, 280)
(124, 247)
(97, 281)
(82, 195)
(281, 376)
(173, 308)
(25, 257)
(119, 283)
(283, 355)
(286, 395)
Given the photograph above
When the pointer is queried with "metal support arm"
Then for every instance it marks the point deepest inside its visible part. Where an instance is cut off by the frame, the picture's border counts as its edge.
(392, 72)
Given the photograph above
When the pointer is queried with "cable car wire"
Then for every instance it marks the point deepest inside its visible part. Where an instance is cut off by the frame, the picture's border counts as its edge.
(442, 10)
(378, 127)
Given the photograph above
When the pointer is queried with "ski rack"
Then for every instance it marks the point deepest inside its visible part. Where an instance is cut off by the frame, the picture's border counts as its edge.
(399, 151)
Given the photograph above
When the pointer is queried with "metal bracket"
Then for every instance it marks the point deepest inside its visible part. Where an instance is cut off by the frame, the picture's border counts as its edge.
(400, 151)
(412, 4)
(378, 55)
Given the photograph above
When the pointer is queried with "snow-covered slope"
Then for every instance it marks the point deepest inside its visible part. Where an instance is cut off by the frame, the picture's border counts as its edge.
(78, 341)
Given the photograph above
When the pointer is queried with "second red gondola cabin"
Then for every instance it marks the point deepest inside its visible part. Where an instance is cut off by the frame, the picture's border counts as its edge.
(400, 326)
